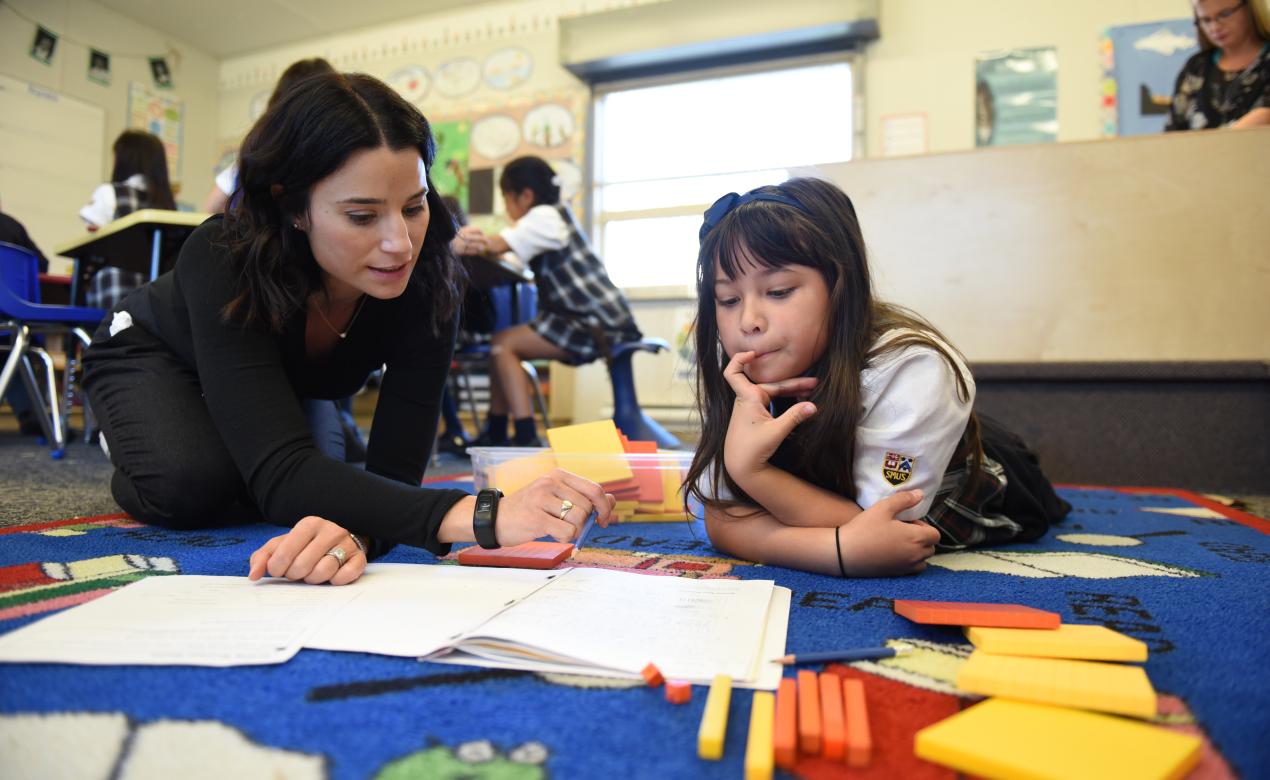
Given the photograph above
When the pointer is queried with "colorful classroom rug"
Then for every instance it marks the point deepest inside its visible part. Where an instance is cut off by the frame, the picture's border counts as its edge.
(1188, 577)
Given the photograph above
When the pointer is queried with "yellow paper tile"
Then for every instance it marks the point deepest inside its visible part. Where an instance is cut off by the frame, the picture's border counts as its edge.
(512, 475)
(1091, 643)
(577, 447)
(1085, 684)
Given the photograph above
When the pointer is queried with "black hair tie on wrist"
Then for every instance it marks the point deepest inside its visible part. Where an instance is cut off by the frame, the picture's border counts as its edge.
(837, 543)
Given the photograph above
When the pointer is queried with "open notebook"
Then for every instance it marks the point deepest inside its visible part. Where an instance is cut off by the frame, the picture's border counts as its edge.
(582, 621)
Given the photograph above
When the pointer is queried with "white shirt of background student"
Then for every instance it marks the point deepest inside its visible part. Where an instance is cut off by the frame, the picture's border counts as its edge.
(101, 207)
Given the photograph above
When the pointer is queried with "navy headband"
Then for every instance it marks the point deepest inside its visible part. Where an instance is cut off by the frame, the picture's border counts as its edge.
(730, 202)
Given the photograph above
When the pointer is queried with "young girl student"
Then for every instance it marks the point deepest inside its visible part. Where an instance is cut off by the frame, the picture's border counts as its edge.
(214, 384)
(830, 417)
(581, 313)
(138, 181)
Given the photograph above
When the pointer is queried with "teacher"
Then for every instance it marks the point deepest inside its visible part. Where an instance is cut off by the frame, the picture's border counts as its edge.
(214, 384)
(1227, 84)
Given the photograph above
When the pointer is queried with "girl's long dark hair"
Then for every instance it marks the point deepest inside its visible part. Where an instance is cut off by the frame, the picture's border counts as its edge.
(301, 139)
(531, 173)
(137, 151)
(826, 237)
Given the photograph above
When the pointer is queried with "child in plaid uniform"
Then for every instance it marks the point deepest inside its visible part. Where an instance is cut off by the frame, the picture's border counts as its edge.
(581, 313)
(829, 416)
(139, 181)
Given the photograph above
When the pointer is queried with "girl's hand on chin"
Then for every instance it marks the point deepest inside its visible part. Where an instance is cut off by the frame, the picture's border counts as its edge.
(753, 434)
(877, 544)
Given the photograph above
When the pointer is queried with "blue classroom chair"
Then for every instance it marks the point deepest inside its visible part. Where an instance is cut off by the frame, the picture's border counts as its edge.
(22, 316)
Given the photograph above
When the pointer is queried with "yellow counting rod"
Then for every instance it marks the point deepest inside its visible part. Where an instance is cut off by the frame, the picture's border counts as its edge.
(714, 721)
(759, 753)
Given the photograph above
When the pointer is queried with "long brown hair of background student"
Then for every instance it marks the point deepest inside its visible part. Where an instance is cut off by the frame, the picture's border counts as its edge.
(827, 237)
(137, 151)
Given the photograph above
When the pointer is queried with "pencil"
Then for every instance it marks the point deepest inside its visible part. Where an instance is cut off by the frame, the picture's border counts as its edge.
(586, 529)
(857, 654)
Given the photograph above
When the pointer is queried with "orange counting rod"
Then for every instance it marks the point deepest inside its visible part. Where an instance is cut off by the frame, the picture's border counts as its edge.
(785, 740)
(859, 738)
(653, 675)
(835, 728)
(810, 735)
(530, 555)
(965, 613)
(678, 691)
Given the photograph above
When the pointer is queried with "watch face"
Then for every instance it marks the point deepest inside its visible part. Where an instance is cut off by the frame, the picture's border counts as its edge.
(484, 504)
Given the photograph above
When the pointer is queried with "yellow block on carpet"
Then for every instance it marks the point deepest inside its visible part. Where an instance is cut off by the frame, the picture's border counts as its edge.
(1091, 643)
(1086, 684)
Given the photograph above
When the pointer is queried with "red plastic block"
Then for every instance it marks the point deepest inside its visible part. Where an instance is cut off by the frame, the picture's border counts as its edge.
(835, 727)
(530, 555)
(678, 691)
(810, 734)
(785, 740)
(653, 676)
(965, 613)
(859, 738)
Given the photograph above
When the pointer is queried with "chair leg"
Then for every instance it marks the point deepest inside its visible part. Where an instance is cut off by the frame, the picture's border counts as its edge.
(17, 351)
(50, 407)
(465, 379)
(73, 363)
(539, 401)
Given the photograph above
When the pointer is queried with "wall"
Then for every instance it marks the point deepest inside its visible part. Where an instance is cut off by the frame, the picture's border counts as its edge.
(82, 23)
(925, 59)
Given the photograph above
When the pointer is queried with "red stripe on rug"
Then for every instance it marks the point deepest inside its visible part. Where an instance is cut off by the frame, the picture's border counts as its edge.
(1230, 513)
(38, 607)
(35, 527)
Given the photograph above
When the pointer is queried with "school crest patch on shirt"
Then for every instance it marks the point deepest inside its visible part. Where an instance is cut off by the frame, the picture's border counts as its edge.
(897, 468)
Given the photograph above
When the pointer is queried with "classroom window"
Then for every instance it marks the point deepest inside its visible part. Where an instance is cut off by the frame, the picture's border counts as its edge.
(665, 151)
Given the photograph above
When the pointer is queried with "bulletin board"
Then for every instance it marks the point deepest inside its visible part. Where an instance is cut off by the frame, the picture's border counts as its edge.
(1140, 65)
(161, 115)
(51, 158)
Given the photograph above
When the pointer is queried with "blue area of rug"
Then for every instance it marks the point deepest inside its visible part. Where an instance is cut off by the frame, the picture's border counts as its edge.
(1194, 588)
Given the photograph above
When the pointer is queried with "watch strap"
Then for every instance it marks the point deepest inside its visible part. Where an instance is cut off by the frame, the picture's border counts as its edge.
(484, 518)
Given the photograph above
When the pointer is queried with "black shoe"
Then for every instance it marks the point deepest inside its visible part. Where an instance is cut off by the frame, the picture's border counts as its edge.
(454, 444)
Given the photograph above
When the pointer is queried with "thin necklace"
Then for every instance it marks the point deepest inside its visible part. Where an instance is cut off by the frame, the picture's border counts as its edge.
(343, 334)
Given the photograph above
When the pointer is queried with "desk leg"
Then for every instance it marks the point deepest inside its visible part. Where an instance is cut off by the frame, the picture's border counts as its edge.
(155, 245)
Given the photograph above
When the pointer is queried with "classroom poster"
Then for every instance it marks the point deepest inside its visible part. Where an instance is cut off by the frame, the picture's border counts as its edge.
(99, 67)
(43, 45)
(161, 115)
(450, 169)
(1016, 97)
(1140, 66)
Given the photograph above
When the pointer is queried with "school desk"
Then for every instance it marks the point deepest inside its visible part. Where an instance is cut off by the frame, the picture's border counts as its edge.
(146, 241)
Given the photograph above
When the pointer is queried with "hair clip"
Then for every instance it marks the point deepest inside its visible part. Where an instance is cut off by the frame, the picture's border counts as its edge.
(728, 203)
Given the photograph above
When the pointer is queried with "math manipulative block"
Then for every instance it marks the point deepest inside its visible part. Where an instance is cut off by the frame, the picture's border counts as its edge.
(859, 737)
(653, 675)
(810, 732)
(530, 555)
(1001, 738)
(832, 717)
(758, 747)
(785, 735)
(678, 691)
(1089, 685)
(1090, 643)
(965, 613)
(714, 720)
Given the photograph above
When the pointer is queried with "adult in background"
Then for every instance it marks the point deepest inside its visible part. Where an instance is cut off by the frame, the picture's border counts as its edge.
(214, 384)
(1226, 84)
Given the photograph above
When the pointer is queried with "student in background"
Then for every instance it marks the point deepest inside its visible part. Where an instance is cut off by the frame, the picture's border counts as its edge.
(819, 403)
(218, 197)
(213, 384)
(1227, 83)
(13, 232)
(138, 181)
(581, 314)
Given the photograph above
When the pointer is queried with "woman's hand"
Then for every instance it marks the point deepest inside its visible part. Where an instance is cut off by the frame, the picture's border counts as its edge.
(306, 553)
(556, 505)
(876, 544)
(753, 434)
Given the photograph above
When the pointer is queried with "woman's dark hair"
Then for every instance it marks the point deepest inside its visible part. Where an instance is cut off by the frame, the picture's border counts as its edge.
(137, 151)
(531, 173)
(456, 210)
(824, 235)
(300, 140)
(298, 71)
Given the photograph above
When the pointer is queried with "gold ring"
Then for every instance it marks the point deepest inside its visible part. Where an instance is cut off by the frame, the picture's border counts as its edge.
(565, 506)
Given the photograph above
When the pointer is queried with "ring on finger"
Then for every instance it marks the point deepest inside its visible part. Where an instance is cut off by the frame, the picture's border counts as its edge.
(338, 554)
(565, 506)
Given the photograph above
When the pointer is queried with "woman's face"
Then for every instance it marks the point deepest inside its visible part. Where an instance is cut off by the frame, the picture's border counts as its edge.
(1227, 23)
(366, 223)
